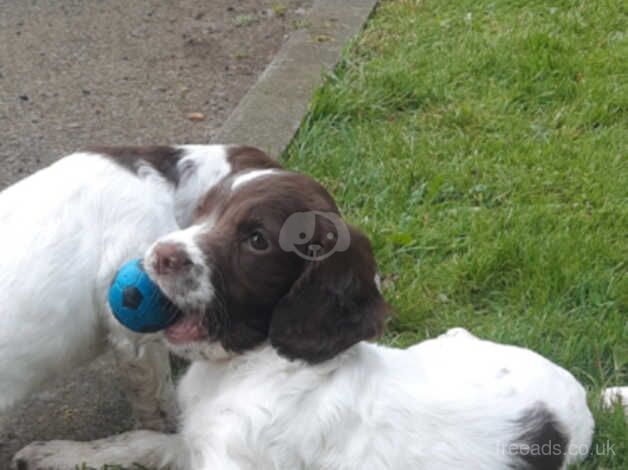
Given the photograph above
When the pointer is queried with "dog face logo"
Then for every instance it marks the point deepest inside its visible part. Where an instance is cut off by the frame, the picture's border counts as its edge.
(298, 235)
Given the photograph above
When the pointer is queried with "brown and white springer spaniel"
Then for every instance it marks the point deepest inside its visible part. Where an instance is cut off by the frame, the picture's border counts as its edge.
(278, 297)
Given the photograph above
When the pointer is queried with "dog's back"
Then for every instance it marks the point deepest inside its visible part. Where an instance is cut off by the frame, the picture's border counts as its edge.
(452, 402)
(64, 231)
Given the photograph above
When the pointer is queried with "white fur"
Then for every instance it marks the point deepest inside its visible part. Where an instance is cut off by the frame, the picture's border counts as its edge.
(614, 395)
(65, 231)
(448, 403)
(201, 167)
(250, 176)
(191, 289)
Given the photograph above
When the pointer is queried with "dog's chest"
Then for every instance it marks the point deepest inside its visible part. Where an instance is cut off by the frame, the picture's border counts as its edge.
(288, 418)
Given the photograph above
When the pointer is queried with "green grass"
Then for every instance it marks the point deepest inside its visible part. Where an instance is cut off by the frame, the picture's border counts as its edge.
(483, 146)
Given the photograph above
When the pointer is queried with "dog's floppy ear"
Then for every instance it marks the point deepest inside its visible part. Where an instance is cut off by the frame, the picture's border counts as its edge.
(334, 304)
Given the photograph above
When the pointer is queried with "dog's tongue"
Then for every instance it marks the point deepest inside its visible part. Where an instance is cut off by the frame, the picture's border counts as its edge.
(187, 329)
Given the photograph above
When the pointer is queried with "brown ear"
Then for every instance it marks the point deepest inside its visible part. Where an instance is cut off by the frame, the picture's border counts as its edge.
(334, 304)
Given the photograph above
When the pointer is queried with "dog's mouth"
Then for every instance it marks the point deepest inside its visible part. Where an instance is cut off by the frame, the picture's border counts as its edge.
(188, 328)
(190, 324)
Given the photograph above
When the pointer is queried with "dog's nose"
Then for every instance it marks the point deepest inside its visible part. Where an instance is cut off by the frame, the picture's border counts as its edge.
(170, 258)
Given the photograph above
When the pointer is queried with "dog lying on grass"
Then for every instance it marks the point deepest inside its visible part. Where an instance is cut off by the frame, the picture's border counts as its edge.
(279, 299)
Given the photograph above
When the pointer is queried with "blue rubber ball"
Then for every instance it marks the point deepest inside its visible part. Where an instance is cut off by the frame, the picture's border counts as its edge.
(137, 302)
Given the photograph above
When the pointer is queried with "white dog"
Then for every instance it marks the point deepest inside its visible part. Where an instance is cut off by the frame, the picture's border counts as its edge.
(284, 379)
(65, 231)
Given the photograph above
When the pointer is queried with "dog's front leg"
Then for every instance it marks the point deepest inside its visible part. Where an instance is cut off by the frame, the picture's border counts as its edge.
(135, 449)
(145, 367)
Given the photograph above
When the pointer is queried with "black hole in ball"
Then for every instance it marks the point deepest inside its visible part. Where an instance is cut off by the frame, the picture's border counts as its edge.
(132, 298)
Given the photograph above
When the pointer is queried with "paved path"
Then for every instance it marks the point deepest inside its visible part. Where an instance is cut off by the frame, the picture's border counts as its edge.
(84, 72)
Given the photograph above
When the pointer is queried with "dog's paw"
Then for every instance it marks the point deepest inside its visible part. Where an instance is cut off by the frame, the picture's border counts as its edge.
(52, 455)
(135, 449)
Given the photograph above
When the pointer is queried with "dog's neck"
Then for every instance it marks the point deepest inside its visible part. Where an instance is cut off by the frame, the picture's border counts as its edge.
(200, 169)
(266, 357)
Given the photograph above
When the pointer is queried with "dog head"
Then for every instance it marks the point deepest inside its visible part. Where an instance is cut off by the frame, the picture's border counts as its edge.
(268, 258)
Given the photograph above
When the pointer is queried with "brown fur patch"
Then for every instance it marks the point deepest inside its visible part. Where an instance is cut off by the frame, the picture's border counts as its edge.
(244, 158)
(162, 158)
(312, 310)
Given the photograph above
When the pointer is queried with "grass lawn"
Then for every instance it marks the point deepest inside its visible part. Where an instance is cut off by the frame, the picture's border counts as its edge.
(483, 145)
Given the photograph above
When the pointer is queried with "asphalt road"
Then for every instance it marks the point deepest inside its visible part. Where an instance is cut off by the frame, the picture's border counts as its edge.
(84, 72)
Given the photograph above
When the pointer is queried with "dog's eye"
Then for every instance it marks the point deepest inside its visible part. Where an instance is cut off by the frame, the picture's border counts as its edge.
(258, 242)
